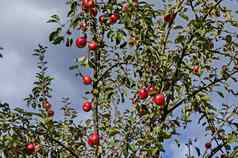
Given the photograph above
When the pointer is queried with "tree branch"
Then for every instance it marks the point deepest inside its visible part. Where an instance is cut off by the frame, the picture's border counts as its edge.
(178, 65)
(193, 9)
(197, 91)
(108, 70)
(51, 138)
(215, 150)
(65, 147)
(211, 9)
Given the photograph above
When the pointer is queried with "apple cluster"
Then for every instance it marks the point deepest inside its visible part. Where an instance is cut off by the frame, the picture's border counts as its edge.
(158, 98)
(48, 107)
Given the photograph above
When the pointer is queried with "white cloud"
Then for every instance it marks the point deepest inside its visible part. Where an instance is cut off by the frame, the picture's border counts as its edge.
(23, 23)
(16, 77)
(23, 26)
(24, 11)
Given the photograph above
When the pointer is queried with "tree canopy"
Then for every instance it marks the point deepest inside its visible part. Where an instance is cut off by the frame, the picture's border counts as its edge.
(152, 69)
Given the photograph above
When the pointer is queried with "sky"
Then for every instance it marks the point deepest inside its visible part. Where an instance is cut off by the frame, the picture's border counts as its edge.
(23, 26)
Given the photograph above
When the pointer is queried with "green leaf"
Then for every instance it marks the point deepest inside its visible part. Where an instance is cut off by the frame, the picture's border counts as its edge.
(228, 38)
(53, 35)
(177, 142)
(84, 61)
(72, 9)
(20, 110)
(220, 94)
(155, 150)
(180, 39)
(75, 22)
(198, 23)
(58, 40)
(132, 147)
(113, 131)
(185, 17)
(205, 98)
(54, 19)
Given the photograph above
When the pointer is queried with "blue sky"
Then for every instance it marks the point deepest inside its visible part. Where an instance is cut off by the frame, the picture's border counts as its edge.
(23, 26)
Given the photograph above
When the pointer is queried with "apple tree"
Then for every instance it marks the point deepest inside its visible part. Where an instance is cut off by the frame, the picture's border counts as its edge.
(152, 69)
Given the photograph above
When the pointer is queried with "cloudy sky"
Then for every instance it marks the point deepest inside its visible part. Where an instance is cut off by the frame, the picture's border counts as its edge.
(23, 26)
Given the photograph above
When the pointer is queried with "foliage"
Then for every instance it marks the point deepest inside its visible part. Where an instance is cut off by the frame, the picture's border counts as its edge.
(177, 48)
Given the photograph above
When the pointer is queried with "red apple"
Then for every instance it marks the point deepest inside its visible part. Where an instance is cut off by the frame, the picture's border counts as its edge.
(87, 106)
(81, 42)
(159, 99)
(208, 145)
(196, 69)
(92, 45)
(50, 113)
(87, 79)
(46, 105)
(93, 12)
(30, 148)
(90, 142)
(101, 19)
(88, 4)
(113, 18)
(143, 93)
(169, 18)
(125, 7)
(93, 139)
(151, 89)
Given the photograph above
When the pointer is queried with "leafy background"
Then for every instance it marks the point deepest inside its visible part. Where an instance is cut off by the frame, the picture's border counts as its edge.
(23, 26)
